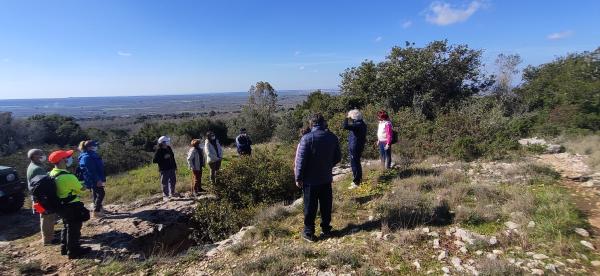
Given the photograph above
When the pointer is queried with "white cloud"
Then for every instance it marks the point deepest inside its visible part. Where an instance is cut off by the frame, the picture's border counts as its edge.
(297, 53)
(406, 24)
(559, 35)
(123, 54)
(301, 67)
(442, 13)
(378, 39)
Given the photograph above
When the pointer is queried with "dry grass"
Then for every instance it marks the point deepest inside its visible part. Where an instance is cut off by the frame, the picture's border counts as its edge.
(588, 145)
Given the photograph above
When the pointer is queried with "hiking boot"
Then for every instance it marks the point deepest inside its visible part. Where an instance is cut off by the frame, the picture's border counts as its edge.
(63, 250)
(79, 252)
(309, 238)
(352, 186)
(175, 195)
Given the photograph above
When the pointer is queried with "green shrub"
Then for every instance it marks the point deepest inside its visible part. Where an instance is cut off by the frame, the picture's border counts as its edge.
(345, 257)
(404, 208)
(215, 220)
(263, 177)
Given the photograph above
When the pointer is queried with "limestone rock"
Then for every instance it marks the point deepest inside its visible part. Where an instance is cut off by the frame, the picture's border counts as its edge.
(539, 256)
(587, 244)
(582, 232)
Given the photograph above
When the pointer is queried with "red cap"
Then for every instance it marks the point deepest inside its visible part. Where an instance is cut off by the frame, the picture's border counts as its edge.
(58, 155)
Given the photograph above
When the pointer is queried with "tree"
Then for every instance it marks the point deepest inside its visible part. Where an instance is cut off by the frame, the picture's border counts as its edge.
(258, 115)
(426, 79)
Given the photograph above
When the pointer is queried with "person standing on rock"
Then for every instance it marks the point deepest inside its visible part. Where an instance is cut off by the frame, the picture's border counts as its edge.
(318, 152)
(47, 219)
(167, 167)
(243, 143)
(385, 134)
(356, 143)
(214, 155)
(92, 169)
(195, 161)
(73, 212)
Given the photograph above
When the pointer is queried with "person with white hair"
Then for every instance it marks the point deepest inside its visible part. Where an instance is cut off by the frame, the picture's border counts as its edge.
(167, 167)
(47, 219)
(356, 143)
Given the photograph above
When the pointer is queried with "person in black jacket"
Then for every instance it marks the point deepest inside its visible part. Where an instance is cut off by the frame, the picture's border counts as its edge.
(243, 143)
(165, 158)
(317, 153)
(356, 143)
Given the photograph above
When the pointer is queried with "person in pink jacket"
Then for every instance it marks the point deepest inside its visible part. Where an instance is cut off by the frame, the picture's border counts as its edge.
(384, 139)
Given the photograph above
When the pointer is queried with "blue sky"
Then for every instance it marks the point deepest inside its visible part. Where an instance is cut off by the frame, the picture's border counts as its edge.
(106, 48)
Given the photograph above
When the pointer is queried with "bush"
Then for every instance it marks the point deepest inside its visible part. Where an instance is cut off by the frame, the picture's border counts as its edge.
(405, 208)
(264, 177)
(215, 220)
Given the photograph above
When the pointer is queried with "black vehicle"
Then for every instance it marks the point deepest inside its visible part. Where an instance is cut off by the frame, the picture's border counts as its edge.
(12, 190)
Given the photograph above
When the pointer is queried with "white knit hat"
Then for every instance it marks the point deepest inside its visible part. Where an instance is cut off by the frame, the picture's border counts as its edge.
(164, 139)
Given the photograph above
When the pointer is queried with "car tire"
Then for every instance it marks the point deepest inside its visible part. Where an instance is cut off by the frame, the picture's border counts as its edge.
(12, 203)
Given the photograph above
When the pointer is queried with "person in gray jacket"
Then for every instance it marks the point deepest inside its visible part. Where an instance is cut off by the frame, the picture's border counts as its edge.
(47, 219)
(195, 159)
(214, 155)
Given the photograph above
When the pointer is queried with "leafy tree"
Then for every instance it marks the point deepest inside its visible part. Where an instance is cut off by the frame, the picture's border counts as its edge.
(258, 115)
(425, 79)
(57, 129)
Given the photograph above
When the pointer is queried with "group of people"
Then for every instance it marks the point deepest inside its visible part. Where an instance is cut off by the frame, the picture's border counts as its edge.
(319, 151)
(210, 152)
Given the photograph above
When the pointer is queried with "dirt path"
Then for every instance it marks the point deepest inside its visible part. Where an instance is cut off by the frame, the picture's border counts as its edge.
(584, 184)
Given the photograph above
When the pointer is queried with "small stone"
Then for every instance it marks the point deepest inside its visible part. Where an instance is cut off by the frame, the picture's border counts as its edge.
(436, 243)
(456, 262)
(417, 264)
(442, 255)
(445, 269)
(497, 252)
(587, 244)
(493, 241)
(529, 254)
(478, 252)
(540, 256)
(531, 224)
(582, 232)
(511, 225)
(595, 263)
(434, 234)
(463, 250)
(371, 218)
(491, 256)
(536, 271)
(425, 230)
(571, 261)
(551, 267)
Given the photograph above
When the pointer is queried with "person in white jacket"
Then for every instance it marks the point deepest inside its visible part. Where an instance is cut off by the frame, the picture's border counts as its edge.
(214, 155)
(195, 160)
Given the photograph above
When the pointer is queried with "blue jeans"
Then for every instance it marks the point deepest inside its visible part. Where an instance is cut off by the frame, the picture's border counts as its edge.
(317, 196)
(385, 155)
(355, 155)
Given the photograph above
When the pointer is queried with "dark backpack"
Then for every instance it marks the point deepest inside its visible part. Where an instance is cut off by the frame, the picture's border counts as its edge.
(79, 173)
(394, 137)
(43, 190)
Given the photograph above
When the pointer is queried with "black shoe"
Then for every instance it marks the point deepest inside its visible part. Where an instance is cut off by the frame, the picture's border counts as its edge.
(200, 190)
(309, 238)
(63, 250)
(79, 252)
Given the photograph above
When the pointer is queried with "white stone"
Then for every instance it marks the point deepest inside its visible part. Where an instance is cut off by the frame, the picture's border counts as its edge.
(492, 256)
(511, 225)
(595, 263)
(456, 262)
(587, 244)
(497, 252)
(582, 232)
(463, 250)
(571, 261)
(493, 241)
(536, 271)
(539, 256)
(425, 230)
(417, 264)
(550, 267)
(443, 254)
(478, 252)
(531, 224)
(445, 269)
(436, 243)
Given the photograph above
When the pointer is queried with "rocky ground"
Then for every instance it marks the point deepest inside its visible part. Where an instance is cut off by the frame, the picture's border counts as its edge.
(151, 226)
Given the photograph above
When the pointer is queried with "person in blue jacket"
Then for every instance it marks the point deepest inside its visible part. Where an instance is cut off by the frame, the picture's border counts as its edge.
(317, 154)
(92, 170)
(356, 143)
(243, 143)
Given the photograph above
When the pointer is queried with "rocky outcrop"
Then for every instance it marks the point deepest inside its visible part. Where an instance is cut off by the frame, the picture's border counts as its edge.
(549, 148)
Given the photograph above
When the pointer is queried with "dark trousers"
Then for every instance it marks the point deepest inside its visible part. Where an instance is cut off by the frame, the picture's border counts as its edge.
(355, 155)
(73, 216)
(317, 196)
(385, 155)
(98, 197)
(214, 167)
(196, 181)
(168, 179)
